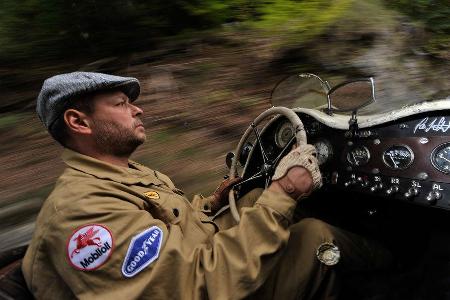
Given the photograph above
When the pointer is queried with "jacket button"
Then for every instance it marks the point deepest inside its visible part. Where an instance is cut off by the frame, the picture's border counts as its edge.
(176, 212)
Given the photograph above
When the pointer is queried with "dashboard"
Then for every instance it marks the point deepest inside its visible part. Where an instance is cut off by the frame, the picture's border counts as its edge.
(406, 159)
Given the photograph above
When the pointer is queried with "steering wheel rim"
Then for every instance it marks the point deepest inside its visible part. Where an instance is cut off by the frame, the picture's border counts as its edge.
(300, 136)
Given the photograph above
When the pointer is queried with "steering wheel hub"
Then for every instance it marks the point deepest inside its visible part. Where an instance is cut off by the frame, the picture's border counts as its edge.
(267, 168)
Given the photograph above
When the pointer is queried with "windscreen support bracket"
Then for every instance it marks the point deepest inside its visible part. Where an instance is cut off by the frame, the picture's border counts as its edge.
(353, 125)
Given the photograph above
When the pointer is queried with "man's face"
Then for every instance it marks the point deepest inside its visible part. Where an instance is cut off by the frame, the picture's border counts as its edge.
(115, 124)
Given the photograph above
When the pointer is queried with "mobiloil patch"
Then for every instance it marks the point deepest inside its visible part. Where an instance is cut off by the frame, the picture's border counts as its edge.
(89, 247)
(143, 250)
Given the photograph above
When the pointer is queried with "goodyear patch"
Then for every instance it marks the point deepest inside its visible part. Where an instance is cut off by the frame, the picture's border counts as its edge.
(151, 195)
(143, 250)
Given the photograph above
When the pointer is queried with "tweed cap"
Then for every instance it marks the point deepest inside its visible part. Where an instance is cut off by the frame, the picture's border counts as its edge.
(59, 90)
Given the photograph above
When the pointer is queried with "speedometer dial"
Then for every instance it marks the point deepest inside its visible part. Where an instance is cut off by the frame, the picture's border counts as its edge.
(440, 158)
(398, 157)
(284, 134)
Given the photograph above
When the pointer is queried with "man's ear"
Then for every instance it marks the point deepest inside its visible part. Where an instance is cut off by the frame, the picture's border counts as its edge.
(77, 121)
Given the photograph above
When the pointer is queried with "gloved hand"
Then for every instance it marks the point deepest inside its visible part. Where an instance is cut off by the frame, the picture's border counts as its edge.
(302, 156)
(220, 195)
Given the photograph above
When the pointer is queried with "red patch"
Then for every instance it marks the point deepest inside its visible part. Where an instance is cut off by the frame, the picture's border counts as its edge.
(89, 247)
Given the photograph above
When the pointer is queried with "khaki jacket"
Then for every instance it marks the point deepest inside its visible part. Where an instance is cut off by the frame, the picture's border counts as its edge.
(107, 232)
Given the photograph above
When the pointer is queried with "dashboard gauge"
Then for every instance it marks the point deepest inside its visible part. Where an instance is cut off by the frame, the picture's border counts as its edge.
(398, 157)
(283, 134)
(358, 156)
(324, 151)
(440, 158)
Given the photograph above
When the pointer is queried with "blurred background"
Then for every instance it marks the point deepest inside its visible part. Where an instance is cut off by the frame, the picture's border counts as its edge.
(206, 69)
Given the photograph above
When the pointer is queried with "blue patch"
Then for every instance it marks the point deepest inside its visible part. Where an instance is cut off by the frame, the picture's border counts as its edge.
(143, 250)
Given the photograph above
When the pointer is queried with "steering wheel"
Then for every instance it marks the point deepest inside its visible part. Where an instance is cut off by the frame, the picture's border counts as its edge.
(268, 166)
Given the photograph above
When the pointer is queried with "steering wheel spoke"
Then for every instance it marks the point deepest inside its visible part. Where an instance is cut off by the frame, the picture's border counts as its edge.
(258, 139)
(284, 151)
(253, 177)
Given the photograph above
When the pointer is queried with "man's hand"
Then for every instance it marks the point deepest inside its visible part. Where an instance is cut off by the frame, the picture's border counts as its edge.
(298, 173)
(221, 193)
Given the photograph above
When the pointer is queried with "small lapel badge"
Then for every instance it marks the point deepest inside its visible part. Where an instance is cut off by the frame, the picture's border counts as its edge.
(151, 195)
(328, 254)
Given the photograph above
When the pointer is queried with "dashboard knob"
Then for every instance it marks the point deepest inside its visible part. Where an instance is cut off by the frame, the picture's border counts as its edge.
(433, 196)
(334, 177)
(365, 183)
(412, 192)
(392, 190)
(376, 187)
(350, 183)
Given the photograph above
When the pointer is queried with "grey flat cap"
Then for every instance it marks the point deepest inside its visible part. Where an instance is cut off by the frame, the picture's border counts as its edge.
(57, 91)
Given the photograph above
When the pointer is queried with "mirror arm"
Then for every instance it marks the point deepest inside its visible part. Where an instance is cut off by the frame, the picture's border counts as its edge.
(324, 83)
(328, 110)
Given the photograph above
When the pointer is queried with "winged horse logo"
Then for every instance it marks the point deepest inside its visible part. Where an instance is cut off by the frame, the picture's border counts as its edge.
(86, 239)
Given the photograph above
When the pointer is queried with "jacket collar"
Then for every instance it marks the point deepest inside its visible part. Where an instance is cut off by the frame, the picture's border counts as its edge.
(100, 169)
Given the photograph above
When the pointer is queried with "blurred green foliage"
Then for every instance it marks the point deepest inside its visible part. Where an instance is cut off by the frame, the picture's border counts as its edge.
(43, 29)
(301, 19)
(433, 13)
(53, 28)
(434, 16)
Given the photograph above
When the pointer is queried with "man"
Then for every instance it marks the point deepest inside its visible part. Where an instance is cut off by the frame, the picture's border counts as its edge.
(113, 228)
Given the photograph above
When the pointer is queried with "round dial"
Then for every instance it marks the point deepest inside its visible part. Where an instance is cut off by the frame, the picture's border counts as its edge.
(440, 158)
(324, 151)
(398, 157)
(358, 156)
(284, 134)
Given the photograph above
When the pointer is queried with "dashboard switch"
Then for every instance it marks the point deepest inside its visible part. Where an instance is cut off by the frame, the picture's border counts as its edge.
(374, 188)
(392, 190)
(350, 183)
(334, 177)
(433, 196)
(411, 193)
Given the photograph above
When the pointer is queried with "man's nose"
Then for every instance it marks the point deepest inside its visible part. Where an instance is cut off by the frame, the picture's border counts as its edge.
(136, 110)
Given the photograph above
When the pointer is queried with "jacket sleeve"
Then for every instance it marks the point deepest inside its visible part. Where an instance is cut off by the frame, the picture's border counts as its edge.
(203, 204)
(149, 258)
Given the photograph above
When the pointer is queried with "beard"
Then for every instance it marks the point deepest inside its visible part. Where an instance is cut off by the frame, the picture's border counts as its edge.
(114, 139)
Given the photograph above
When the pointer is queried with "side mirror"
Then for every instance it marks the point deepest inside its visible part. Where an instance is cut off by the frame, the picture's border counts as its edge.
(351, 95)
(305, 90)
